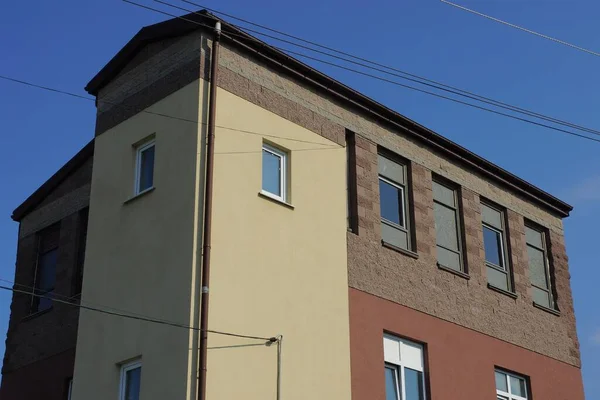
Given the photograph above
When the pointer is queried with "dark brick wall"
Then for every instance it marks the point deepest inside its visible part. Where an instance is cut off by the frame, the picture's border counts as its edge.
(419, 284)
(40, 348)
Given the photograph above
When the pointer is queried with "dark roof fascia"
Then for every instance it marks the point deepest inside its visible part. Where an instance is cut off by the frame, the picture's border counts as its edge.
(47, 187)
(298, 69)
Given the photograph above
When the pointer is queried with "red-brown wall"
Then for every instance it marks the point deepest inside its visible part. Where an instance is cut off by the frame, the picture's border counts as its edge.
(460, 362)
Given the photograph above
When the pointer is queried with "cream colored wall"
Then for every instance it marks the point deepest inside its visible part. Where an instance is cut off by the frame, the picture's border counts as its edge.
(141, 256)
(277, 270)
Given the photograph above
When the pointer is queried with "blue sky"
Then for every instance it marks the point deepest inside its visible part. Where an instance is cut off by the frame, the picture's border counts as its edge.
(63, 44)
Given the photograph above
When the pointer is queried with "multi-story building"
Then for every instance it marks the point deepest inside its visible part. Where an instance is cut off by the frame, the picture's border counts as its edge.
(385, 261)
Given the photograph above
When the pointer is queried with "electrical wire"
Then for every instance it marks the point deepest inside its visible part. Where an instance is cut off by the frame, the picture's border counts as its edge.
(385, 79)
(138, 317)
(325, 146)
(413, 78)
(520, 28)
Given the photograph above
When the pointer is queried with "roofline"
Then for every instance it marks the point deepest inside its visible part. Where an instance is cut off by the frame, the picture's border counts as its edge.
(52, 183)
(290, 65)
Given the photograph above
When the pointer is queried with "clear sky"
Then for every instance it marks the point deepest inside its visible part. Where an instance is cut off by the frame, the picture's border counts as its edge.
(63, 44)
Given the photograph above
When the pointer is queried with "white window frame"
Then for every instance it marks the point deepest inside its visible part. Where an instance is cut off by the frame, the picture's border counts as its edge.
(402, 201)
(124, 369)
(138, 165)
(398, 362)
(283, 172)
(508, 396)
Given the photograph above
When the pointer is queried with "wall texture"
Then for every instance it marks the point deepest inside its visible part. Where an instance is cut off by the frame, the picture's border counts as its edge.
(277, 270)
(460, 362)
(142, 252)
(40, 348)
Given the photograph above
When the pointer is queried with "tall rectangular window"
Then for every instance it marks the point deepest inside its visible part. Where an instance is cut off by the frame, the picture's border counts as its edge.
(404, 369)
(274, 170)
(447, 226)
(131, 377)
(45, 271)
(494, 243)
(351, 184)
(393, 201)
(144, 170)
(539, 267)
(510, 386)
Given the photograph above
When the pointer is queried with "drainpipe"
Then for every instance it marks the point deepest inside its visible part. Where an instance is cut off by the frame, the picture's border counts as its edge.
(210, 152)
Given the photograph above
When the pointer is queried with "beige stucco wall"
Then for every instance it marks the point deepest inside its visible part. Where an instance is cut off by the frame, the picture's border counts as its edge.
(141, 255)
(277, 270)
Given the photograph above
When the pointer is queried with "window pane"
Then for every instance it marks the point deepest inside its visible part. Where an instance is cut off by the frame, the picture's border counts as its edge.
(448, 258)
(391, 384)
(271, 173)
(46, 277)
(533, 237)
(132, 384)
(444, 194)
(541, 297)
(414, 384)
(445, 226)
(391, 170)
(537, 267)
(501, 382)
(147, 169)
(491, 216)
(392, 235)
(493, 247)
(517, 387)
(391, 203)
(497, 278)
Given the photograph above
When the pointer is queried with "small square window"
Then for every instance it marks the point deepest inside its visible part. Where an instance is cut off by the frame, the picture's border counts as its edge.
(144, 170)
(510, 386)
(274, 170)
(131, 376)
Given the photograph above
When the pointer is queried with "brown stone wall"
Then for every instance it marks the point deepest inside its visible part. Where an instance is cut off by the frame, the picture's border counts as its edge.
(466, 300)
(460, 362)
(40, 347)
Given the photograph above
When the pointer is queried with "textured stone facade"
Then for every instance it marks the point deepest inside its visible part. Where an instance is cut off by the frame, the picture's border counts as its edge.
(40, 347)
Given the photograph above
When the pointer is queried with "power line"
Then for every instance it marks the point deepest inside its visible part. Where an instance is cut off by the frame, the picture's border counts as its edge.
(139, 317)
(385, 79)
(417, 79)
(325, 146)
(521, 28)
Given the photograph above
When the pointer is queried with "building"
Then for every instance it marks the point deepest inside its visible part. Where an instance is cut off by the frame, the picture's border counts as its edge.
(394, 263)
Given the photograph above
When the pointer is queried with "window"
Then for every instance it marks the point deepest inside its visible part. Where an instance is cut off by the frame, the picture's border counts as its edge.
(131, 376)
(539, 272)
(45, 271)
(351, 184)
(494, 243)
(404, 369)
(144, 170)
(82, 240)
(510, 386)
(274, 179)
(393, 203)
(447, 226)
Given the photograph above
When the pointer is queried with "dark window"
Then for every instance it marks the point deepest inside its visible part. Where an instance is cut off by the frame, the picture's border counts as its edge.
(351, 184)
(45, 280)
(144, 167)
(447, 226)
(83, 225)
(393, 201)
(539, 267)
(494, 243)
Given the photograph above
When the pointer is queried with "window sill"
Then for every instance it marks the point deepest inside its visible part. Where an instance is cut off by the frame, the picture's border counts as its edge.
(409, 253)
(36, 314)
(269, 196)
(140, 194)
(549, 310)
(453, 271)
(502, 291)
